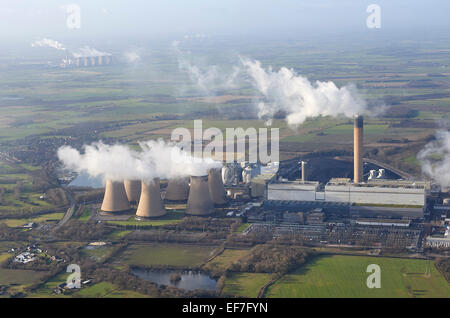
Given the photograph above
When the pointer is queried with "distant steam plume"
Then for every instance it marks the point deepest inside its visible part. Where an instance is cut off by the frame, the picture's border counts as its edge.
(285, 91)
(89, 52)
(48, 43)
(435, 158)
(157, 159)
(207, 78)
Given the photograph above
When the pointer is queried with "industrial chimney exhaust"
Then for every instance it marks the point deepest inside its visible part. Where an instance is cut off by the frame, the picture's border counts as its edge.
(358, 149)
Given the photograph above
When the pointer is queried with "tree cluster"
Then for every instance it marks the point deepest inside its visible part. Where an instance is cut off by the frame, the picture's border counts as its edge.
(269, 258)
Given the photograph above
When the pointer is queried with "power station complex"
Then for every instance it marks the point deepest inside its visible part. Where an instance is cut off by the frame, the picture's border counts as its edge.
(375, 196)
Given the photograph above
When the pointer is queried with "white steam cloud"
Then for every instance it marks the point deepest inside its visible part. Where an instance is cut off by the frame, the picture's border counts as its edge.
(132, 57)
(435, 158)
(119, 162)
(89, 52)
(285, 91)
(208, 78)
(48, 43)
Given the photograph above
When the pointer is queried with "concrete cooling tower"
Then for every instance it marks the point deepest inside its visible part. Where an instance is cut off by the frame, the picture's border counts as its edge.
(150, 203)
(216, 188)
(133, 190)
(199, 202)
(115, 199)
(177, 190)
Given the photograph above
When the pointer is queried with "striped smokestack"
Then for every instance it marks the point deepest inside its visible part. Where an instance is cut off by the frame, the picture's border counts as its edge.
(358, 149)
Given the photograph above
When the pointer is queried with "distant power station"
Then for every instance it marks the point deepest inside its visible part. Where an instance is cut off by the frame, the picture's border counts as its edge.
(88, 61)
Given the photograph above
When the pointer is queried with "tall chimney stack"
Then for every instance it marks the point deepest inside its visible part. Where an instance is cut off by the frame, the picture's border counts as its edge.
(304, 171)
(358, 149)
(133, 190)
(199, 202)
(115, 199)
(215, 185)
(150, 204)
(177, 190)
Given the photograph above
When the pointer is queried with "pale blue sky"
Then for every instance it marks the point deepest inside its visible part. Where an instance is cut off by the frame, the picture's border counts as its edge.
(166, 18)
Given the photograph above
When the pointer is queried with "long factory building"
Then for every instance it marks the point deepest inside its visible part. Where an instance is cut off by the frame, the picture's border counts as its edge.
(379, 192)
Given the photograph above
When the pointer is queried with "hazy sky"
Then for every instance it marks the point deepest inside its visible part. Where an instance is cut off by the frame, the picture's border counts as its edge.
(161, 18)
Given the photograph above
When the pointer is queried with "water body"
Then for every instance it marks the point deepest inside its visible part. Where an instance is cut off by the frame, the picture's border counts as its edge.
(84, 180)
(190, 280)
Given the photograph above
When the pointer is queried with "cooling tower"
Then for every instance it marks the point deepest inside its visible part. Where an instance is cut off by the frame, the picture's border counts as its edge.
(215, 185)
(133, 190)
(177, 190)
(92, 60)
(199, 202)
(85, 61)
(150, 204)
(304, 171)
(115, 199)
(358, 149)
(100, 60)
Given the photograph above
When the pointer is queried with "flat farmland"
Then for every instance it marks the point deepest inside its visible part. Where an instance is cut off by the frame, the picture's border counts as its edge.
(245, 284)
(345, 276)
(166, 254)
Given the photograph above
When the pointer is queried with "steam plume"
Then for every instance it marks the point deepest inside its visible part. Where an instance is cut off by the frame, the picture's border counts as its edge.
(157, 159)
(435, 158)
(48, 43)
(89, 52)
(285, 91)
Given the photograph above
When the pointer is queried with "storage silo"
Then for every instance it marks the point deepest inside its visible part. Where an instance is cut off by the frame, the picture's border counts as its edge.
(199, 202)
(215, 185)
(177, 190)
(150, 203)
(133, 190)
(115, 199)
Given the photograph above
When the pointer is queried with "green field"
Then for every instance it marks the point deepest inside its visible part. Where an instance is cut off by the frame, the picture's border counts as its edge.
(226, 258)
(245, 284)
(345, 276)
(38, 219)
(169, 218)
(166, 254)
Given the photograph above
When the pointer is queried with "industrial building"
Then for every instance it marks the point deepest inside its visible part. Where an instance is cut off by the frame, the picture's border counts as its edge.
(374, 197)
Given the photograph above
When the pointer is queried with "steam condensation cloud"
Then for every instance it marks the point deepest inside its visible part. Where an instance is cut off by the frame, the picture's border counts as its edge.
(119, 162)
(48, 43)
(285, 91)
(435, 158)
